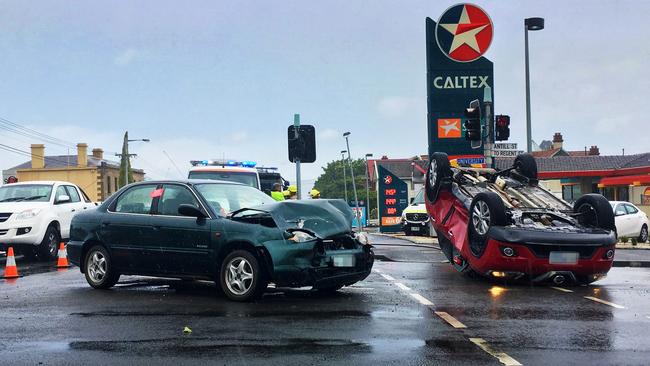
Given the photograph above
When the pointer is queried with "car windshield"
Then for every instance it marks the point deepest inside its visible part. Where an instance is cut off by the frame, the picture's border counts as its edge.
(249, 179)
(25, 192)
(226, 198)
(419, 198)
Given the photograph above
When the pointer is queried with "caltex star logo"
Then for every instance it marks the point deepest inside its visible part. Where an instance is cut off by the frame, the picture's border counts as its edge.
(464, 32)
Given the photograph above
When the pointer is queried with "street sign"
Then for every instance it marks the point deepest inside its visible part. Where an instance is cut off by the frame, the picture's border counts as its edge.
(505, 146)
(457, 73)
(506, 153)
(393, 199)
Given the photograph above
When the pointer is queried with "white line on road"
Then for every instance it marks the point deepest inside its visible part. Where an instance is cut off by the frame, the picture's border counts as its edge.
(450, 319)
(388, 277)
(561, 289)
(421, 299)
(402, 286)
(376, 270)
(501, 356)
(605, 302)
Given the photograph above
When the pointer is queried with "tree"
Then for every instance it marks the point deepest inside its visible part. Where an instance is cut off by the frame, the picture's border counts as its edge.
(330, 183)
(125, 162)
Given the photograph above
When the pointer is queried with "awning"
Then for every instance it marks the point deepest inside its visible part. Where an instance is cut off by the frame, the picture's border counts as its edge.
(625, 180)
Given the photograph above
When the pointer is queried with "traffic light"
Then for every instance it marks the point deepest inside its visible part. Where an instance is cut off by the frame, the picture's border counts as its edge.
(473, 121)
(502, 127)
(303, 147)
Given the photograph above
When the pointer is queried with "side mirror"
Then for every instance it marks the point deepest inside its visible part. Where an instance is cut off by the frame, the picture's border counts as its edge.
(62, 199)
(190, 210)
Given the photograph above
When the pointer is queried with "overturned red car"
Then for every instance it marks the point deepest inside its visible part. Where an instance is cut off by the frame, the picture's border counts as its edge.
(504, 224)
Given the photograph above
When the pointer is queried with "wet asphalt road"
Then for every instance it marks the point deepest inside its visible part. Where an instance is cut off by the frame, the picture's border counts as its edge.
(54, 318)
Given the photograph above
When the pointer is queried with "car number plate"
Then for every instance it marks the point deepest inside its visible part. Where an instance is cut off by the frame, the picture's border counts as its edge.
(563, 258)
(415, 228)
(343, 260)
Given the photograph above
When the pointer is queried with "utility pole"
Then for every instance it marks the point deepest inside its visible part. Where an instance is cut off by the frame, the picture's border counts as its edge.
(345, 178)
(296, 124)
(489, 141)
(354, 185)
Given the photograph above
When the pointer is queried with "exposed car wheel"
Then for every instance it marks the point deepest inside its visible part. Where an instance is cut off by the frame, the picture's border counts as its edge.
(439, 169)
(49, 247)
(595, 211)
(643, 236)
(99, 270)
(487, 210)
(526, 165)
(242, 278)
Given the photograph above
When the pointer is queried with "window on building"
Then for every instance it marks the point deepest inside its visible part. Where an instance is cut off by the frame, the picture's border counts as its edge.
(571, 192)
(116, 186)
(108, 186)
(622, 193)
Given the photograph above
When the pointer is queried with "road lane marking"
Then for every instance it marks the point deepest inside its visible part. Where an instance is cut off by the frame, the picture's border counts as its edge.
(561, 289)
(501, 356)
(421, 299)
(388, 277)
(402, 286)
(376, 270)
(450, 319)
(605, 302)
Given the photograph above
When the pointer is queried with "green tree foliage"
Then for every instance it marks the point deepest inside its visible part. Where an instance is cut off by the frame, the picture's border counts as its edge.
(330, 182)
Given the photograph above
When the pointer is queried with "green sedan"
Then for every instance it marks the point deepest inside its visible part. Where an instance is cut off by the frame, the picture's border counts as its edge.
(230, 233)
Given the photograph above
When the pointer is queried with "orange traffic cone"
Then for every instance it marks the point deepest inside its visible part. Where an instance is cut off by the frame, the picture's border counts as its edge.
(63, 257)
(11, 271)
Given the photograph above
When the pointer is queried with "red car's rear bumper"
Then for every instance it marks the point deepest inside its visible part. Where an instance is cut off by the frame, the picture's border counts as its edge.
(533, 261)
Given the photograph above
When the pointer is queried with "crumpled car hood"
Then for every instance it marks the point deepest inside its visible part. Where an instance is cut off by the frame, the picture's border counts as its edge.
(324, 217)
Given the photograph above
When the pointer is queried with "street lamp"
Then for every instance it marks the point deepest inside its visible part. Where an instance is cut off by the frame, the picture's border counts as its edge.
(354, 185)
(126, 172)
(345, 179)
(367, 189)
(530, 24)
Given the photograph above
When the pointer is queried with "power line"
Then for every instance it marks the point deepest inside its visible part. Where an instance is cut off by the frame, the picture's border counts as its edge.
(17, 128)
(29, 154)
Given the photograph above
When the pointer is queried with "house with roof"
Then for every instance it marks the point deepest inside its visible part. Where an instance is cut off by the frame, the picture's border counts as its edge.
(97, 176)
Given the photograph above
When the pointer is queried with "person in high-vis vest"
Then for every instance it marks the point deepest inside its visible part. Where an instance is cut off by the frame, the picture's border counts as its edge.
(276, 192)
(293, 192)
(315, 194)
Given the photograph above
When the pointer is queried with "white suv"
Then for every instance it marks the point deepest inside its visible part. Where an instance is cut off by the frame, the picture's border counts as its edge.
(35, 216)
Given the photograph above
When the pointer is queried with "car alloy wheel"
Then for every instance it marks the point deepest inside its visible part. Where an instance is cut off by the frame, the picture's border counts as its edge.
(644, 234)
(96, 267)
(239, 276)
(52, 245)
(432, 173)
(481, 217)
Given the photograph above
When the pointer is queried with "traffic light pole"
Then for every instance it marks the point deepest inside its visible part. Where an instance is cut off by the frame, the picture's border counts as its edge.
(296, 124)
(489, 141)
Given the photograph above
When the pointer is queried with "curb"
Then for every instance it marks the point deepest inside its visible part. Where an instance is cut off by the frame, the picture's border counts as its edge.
(636, 264)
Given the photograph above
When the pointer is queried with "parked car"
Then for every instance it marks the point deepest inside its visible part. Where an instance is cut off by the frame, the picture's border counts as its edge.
(630, 221)
(415, 218)
(223, 231)
(35, 216)
(503, 224)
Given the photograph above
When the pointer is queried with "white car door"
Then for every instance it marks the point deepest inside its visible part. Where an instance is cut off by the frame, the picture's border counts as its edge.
(636, 219)
(64, 209)
(622, 219)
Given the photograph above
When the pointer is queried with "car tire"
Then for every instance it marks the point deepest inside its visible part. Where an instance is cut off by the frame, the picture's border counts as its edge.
(487, 210)
(241, 276)
(643, 235)
(594, 210)
(98, 268)
(526, 165)
(439, 169)
(48, 249)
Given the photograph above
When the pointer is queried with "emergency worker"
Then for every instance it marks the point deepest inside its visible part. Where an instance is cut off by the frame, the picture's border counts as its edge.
(315, 194)
(276, 192)
(293, 192)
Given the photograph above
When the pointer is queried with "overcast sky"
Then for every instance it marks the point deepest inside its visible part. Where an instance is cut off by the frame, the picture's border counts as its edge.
(219, 78)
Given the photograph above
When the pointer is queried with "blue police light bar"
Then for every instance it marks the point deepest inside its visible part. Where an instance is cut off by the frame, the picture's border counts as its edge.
(248, 164)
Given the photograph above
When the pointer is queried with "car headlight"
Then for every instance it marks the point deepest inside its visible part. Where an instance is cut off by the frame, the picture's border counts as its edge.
(301, 237)
(28, 214)
(362, 238)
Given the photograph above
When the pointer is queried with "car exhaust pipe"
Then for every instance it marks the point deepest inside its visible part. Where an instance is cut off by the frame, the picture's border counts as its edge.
(559, 279)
